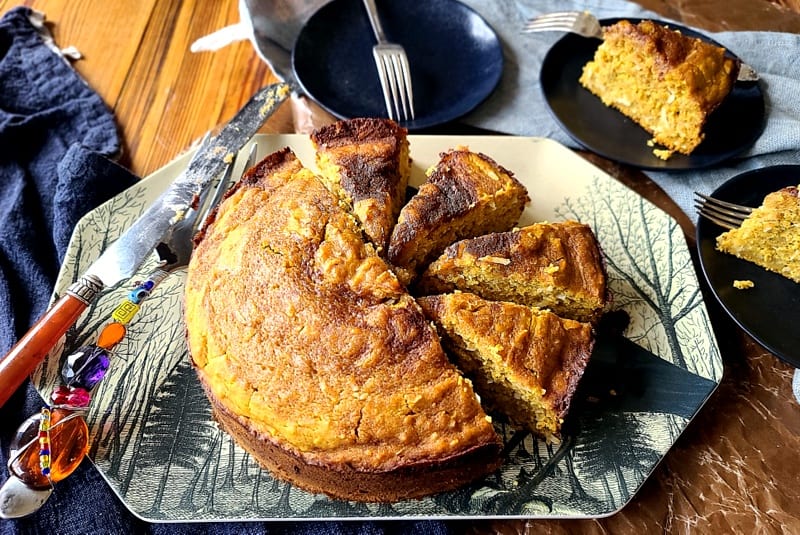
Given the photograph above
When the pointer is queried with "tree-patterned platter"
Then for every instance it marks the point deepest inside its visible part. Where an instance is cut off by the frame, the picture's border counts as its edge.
(155, 442)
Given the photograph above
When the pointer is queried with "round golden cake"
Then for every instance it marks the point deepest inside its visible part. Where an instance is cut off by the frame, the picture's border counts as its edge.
(313, 355)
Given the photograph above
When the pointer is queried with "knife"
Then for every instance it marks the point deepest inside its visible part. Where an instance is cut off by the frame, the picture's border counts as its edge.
(128, 252)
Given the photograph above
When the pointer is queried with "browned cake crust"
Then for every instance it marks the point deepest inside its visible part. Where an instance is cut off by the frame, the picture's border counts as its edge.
(342, 481)
(525, 362)
(366, 162)
(316, 358)
(557, 266)
(467, 194)
(669, 83)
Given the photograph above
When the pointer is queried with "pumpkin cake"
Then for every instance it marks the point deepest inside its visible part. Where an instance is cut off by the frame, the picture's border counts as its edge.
(667, 82)
(526, 362)
(770, 235)
(315, 358)
(467, 194)
(365, 161)
(557, 266)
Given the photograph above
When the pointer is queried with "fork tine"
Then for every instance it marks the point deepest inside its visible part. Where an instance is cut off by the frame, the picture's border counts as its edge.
(559, 15)
(552, 26)
(209, 201)
(384, 79)
(401, 86)
(251, 158)
(737, 208)
(391, 72)
(724, 214)
(562, 20)
(724, 221)
(406, 92)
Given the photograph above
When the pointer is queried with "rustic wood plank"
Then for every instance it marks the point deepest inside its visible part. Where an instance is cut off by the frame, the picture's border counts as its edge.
(172, 97)
(105, 33)
(135, 55)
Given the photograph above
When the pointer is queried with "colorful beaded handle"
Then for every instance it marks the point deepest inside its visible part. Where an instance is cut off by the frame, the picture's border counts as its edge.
(49, 446)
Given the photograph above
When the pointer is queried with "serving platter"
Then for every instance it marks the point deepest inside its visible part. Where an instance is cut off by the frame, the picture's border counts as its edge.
(731, 128)
(332, 58)
(770, 311)
(155, 442)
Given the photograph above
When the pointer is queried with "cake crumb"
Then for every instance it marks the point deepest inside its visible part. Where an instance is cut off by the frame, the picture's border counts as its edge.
(743, 285)
(663, 154)
(495, 260)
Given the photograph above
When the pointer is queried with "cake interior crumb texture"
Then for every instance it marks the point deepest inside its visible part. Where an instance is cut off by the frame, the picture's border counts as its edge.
(770, 236)
(665, 81)
(526, 363)
(557, 266)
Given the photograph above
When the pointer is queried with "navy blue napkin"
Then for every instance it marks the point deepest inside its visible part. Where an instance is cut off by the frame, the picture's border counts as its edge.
(57, 138)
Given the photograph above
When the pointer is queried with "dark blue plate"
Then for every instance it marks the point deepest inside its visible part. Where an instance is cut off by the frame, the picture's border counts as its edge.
(770, 311)
(455, 56)
(730, 129)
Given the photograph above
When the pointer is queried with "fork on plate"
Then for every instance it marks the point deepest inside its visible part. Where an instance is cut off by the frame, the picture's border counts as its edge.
(586, 24)
(393, 70)
(725, 214)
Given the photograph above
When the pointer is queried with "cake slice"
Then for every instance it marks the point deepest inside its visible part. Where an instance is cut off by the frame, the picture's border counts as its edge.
(526, 363)
(665, 81)
(366, 163)
(770, 236)
(557, 266)
(467, 194)
(316, 359)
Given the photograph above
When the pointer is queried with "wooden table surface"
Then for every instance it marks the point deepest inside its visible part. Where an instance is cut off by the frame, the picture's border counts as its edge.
(716, 478)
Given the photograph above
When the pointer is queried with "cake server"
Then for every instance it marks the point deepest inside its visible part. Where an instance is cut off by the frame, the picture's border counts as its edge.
(121, 260)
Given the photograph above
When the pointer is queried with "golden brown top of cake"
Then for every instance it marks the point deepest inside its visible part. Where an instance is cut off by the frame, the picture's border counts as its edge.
(467, 194)
(298, 327)
(705, 71)
(366, 162)
(550, 265)
(769, 236)
(533, 349)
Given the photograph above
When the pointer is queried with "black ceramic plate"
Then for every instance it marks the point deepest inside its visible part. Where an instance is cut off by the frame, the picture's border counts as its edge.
(770, 311)
(456, 58)
(731, 128)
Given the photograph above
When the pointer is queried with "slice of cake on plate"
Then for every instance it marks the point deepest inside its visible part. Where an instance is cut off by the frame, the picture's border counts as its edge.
(526, 363)
(770, 236)
(667, 82)
(557, 266)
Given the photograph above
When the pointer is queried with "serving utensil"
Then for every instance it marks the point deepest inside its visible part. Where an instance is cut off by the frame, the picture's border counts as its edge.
(126, 254)
(18, 496)
(586, 24)
(393, 70)
(725, 214)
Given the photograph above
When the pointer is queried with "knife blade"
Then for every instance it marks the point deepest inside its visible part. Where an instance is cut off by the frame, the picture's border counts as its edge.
(128, 252)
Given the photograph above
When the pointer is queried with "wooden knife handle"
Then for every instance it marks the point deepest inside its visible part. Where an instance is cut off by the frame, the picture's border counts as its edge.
(31, 349)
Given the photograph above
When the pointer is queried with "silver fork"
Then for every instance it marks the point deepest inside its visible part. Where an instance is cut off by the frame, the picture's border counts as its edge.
(580, 22)
(725, 214)
(393, 70)
(586, 24)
